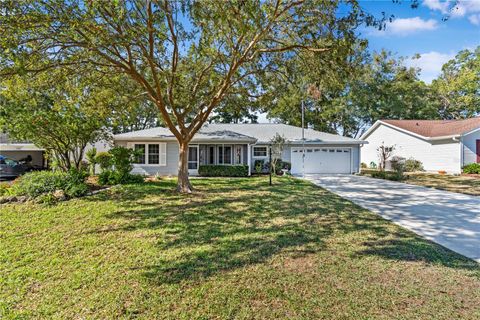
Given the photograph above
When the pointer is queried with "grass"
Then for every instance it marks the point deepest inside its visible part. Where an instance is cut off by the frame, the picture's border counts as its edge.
(461, 184)
(233, 249)
(467, 184)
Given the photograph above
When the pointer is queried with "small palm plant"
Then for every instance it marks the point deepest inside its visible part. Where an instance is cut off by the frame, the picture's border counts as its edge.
(91, 155)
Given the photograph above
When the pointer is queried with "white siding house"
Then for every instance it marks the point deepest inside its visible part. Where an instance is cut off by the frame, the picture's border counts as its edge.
(244, 144)
(439, 145)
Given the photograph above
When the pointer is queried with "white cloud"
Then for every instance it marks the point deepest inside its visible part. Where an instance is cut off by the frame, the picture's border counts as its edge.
(411, 25)
(465, 7)
(430, 64)
(475, 19)
(456, 9)
(437, 5)
(406, 26)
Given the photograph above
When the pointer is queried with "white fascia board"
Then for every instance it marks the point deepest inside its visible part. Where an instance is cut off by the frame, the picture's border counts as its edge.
(327, 142)
(19, 147)
(372, 128)
(193, 141)
(470, 132)
(409, 132)
(144, 139)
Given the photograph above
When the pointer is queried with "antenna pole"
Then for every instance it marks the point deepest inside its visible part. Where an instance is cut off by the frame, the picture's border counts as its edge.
(303, 140)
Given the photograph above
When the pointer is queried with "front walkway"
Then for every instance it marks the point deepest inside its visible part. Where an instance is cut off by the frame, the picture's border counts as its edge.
(450, 219)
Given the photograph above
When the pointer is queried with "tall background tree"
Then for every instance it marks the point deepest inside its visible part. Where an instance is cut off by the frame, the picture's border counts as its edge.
(131, 109)
(457, 89)
(55, 111)
(186, 55)
(351, 94)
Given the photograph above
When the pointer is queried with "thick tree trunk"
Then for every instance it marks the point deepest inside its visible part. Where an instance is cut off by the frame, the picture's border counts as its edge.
(183, 184)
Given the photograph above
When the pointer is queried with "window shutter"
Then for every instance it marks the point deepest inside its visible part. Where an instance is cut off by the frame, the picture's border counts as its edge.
(163, 153)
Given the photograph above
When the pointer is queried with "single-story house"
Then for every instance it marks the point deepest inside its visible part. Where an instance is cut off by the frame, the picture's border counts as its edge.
(441, 145)
(232, 144)
(18, 150)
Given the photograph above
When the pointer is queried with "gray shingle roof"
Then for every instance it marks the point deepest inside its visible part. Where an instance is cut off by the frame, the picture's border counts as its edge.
(260, 132)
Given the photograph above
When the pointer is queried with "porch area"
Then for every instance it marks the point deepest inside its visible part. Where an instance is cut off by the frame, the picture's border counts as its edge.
(217, 154)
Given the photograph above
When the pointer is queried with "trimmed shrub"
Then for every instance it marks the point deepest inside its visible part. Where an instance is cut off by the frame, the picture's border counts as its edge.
(36, 183)
(33, 184)
(104, 160)
(363, 165)
(379, 174)
(389, 175)
(373, 165)
(75, 185)
(412, 165)
(122, 159)
(106, 177)
(110, 177)
(258, 166)
(398, 165)
(472, 168)
(368, 171)
(223, 171)
(282, 165)
(76, 190)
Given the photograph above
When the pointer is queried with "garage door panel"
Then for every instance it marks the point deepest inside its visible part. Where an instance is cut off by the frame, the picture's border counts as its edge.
(322, 160)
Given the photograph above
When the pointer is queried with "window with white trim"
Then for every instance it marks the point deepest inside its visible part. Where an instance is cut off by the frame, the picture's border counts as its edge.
(259, 151)
(153, 153)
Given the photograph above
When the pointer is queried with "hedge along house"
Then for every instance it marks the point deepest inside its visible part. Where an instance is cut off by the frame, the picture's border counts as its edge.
(441, 145)
(242, 144)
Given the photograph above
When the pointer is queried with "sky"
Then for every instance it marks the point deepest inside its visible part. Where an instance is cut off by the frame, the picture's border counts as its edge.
(422, 31)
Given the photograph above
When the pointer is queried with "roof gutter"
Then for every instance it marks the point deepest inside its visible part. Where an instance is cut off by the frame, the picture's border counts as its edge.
(322, 142)
(454, 138)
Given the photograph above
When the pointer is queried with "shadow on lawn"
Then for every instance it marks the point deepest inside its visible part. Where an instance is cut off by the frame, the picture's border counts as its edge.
(406, 246)
(232, 224)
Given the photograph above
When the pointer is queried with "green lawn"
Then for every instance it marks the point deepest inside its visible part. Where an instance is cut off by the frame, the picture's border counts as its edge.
(235, 249)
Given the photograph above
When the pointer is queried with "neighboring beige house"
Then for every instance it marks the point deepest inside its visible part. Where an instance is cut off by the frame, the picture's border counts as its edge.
(441, 145)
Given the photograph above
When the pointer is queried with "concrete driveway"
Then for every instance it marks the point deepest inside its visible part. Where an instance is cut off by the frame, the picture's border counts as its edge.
(450, 219)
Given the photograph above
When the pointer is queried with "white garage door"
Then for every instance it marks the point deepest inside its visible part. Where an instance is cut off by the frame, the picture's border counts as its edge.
(322, 160)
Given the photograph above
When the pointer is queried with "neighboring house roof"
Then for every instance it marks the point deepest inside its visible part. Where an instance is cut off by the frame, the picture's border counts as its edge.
(251, 132)
(19, 147)
(431, 129)
(7, 144)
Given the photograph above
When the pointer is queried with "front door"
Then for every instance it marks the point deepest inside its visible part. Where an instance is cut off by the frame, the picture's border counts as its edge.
(478, 151)
(193, 159)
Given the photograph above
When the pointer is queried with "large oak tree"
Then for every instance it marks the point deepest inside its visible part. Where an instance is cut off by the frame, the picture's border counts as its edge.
(186, 55)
